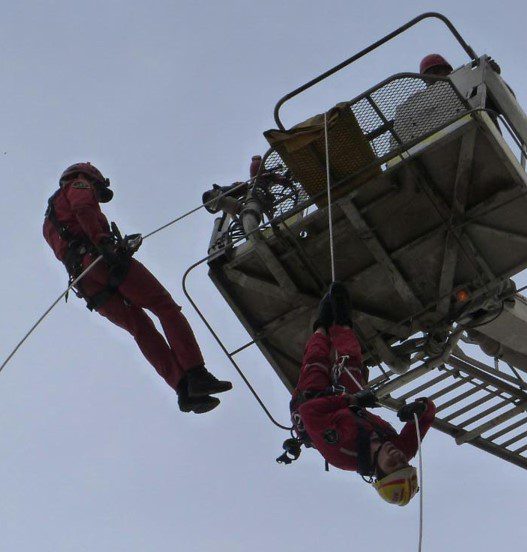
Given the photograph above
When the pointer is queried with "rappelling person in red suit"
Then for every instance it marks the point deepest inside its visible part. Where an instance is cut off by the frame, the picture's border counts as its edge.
(121, 289)
(330, 410)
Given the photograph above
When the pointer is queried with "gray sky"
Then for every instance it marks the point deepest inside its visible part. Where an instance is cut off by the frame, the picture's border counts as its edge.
(167, 98)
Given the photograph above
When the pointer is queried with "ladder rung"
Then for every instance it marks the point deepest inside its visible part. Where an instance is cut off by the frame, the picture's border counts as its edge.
(459, 398)
(476, 432)
(514, 439)
(498, 434)
(467, 408)
(423, 387)
(484, 413)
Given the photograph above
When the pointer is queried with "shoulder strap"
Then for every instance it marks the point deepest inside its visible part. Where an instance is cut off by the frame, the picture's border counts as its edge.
(62, 230)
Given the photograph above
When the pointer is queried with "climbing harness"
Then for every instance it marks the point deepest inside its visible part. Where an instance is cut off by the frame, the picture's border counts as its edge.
(78, 247)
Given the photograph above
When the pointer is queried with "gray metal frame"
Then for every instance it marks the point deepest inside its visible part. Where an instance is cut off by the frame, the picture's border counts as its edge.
(273, 278)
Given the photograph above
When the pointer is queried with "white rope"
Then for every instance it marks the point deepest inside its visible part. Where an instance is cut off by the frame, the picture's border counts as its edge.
(420, 455)
(330, 217)
(353, 378)
(50, 308)
(419, 451)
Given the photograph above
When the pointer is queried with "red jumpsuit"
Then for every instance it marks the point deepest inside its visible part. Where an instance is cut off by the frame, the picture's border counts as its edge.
(77, 208)
(349, 446)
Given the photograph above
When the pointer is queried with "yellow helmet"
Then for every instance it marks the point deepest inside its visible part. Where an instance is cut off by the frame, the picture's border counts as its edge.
(399, 487)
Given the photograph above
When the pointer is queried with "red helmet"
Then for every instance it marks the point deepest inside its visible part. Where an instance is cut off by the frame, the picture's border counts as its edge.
(433, 60)
(256, 161)
(101, 183)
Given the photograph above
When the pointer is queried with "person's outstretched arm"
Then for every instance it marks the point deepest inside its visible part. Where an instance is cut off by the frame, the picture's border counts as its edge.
(407, 440)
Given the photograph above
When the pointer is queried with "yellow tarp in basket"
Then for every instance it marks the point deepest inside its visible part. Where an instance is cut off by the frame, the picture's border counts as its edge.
(302, 148)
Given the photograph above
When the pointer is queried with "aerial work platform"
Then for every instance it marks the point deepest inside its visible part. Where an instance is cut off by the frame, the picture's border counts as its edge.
(428, 191)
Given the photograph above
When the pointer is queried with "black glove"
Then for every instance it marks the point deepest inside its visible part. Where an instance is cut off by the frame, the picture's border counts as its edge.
(111, 252)
(365, 398)
(325, 314)
(132, 242)
(406, 413)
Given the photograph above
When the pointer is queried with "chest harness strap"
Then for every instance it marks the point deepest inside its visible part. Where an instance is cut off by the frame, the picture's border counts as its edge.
(78, 247)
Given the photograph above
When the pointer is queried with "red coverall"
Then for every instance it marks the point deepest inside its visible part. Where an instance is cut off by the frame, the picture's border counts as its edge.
(333, 413)
(77, 208)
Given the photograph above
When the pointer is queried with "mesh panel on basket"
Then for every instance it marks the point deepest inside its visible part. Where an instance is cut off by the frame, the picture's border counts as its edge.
(426, 110)
(303, 150)
(361, 133)
(285, 196)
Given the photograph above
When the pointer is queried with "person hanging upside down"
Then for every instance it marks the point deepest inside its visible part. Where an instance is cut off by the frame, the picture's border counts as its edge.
(332, 412)
(121, 289)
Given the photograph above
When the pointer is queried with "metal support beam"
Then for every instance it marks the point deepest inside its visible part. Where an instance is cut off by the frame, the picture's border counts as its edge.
(507, 103)
(368, 237)
(459, 200)
(483, 444)
(267, 288)
(283, 319)
(398, 382)
(521, 449)
(425, 182)
(492, 231)
(511, 379)
(273, 263)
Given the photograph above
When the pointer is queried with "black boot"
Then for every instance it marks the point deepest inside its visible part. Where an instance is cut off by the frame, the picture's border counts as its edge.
(340, 301)
(324, 314)
(198, 405)
(202, 382)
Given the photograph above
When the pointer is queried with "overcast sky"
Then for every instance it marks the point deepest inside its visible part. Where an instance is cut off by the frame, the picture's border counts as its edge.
(167, 97)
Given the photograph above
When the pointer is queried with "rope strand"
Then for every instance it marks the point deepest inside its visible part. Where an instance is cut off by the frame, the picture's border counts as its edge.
(330, 214)
(420, 454)
(50, 308)
(418, 432)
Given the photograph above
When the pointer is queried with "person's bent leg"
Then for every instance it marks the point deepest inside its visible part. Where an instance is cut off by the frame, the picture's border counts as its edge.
(156, 350)
(315, 372)
(346, 343)
(144, 290)
(151, 343)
